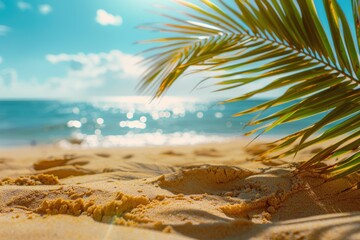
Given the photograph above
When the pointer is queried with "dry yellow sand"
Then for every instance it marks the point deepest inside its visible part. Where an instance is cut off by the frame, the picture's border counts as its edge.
(212, 191)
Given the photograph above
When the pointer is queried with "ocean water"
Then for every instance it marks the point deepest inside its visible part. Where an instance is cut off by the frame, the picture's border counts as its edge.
(125, 121)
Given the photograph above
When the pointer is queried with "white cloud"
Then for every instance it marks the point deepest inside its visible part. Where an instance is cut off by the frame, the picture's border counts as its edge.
(45, 9)
(105, 73)
(104, 18)
(95, 74)
(24, 5)
(13, 87)
(1, 60)
(8, 77)
(4, 30)
(94, 65)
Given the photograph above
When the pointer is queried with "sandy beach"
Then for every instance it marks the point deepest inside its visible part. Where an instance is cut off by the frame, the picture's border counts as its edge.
(212, 191)
(184, 119)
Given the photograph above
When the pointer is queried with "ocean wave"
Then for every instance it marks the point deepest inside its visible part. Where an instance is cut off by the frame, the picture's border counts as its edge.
(126, 121)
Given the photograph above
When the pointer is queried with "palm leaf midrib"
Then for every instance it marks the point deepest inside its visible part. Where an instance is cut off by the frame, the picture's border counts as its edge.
(261, 35)
(301, 51)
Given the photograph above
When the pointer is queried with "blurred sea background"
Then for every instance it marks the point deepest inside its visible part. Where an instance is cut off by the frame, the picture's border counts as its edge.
(127, 122)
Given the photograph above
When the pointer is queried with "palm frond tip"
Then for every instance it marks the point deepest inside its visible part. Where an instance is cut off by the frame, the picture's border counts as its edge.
(317, 61)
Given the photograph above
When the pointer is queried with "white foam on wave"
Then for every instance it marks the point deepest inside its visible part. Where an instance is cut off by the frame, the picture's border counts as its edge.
(140, 140)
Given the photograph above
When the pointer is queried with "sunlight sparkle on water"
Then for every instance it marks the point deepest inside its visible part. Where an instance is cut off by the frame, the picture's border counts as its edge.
(74, 124)
(133, 121)
(155, 115)
(143, 119)
(100, 121)
(130, 115)
(218, 115)
(132, 124)
(83, 120)
(146, 139)
(76, 110)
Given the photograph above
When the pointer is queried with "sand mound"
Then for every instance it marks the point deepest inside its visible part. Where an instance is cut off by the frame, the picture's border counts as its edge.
(202, 179)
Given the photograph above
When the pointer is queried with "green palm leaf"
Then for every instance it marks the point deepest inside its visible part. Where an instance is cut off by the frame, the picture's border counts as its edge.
(281, 41)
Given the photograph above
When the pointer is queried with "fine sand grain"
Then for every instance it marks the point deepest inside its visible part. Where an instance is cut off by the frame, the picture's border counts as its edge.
(214, 191)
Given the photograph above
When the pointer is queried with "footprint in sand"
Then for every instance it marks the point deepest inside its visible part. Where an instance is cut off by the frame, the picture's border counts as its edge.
(220, 197)
(172, 153)
(103, 155)
(259, 149)
(208, 153)
(128, 156)
(273, 163)
(226, 181)
(4, 160)
(267, 161)
(51, 162)
(64, 172)
(203, 179)
(63, 166)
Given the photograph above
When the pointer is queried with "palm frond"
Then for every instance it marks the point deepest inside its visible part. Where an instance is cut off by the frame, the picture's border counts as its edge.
(289, 45)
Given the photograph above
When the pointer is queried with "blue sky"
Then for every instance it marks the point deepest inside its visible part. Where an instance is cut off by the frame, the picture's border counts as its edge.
(30, 34)
(76, 48)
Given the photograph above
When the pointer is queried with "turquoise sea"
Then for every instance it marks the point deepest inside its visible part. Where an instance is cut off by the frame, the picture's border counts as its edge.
(125, 121)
